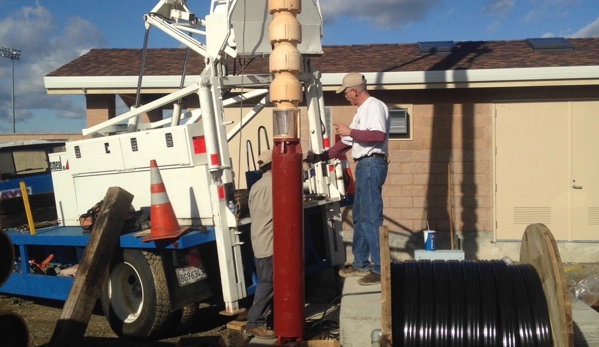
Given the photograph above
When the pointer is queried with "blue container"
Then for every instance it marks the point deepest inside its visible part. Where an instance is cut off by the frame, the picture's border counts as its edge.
(429, 240)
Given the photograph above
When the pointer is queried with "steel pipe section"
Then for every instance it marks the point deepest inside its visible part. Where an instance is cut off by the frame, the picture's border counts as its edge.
(285, 63)
(7, 257)
(13, 329)
(14, 332)
(288, 243)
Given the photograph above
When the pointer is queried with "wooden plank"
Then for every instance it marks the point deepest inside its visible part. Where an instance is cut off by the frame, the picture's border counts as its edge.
(92, 270)
(539, 249)
(27, 208)
(237, 325)
(385, 286)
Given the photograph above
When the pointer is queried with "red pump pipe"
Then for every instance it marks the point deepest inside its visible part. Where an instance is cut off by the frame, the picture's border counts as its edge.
(286, 93)
(288, 241)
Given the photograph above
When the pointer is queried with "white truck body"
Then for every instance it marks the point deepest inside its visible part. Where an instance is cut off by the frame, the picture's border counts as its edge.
(192, 154)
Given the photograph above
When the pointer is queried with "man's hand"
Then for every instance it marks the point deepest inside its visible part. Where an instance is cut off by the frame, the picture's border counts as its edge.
(312, 158)
(342, 129)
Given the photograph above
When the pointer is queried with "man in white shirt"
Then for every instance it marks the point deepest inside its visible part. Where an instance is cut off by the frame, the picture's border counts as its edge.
(367, 136)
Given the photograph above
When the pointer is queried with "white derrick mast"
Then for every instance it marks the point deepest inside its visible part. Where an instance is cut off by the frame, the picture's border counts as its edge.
(191, 148)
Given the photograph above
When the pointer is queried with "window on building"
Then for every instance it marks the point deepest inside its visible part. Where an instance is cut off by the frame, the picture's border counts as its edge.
(400, 124)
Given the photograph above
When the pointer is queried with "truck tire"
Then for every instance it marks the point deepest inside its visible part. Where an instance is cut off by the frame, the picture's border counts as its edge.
(135, 296)
(184, 318)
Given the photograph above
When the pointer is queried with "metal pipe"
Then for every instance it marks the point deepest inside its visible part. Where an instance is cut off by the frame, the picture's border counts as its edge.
(376, 336)
(209, 122)
(14, 329)
(12, 54)
(7, 257)
(12, 68)
(288, 242)
(286, 93)
(176, 33)
(142, 66)
(176, 117)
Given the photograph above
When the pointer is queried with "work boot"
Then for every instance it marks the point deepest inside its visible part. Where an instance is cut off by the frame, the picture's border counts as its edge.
(370, 279)
(350, 271)
(261, 332)
(243, 316)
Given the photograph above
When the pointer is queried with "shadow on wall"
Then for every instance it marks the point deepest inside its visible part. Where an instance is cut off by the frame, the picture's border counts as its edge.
(403, 243)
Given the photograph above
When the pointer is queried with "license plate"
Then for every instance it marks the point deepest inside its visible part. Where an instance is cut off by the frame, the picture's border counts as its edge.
(190, 274)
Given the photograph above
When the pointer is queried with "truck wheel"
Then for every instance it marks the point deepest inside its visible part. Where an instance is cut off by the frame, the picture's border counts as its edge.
(184, 318)
(135, 296)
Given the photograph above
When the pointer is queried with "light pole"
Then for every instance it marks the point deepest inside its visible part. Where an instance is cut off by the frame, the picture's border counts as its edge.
(12, 54)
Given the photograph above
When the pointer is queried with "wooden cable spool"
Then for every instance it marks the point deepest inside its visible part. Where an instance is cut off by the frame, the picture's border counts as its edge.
(539, 250)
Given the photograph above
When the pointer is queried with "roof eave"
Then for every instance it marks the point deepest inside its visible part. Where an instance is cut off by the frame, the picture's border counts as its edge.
(481, 78)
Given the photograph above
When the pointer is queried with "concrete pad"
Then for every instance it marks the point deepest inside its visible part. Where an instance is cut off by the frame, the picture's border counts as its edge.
(360, 313)
(586, 324)
(313, 313)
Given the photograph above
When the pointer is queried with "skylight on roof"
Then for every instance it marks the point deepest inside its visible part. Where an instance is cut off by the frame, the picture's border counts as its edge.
(435, 47)
(550, 44)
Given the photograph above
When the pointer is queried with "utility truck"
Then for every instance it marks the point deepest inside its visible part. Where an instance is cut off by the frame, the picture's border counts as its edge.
(152, 286)
(27, 162)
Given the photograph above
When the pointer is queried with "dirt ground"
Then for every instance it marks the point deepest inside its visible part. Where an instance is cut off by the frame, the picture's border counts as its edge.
(41, 316)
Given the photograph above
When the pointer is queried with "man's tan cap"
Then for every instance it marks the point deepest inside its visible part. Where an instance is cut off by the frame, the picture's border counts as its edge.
(265, 158)
(352, 79)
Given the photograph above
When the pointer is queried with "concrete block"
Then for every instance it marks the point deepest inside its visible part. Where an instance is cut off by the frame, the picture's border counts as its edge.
(441, 254)
(360, 313)
(586, 332)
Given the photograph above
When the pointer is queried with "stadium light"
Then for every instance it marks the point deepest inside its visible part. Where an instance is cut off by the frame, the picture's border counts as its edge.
(12, 54)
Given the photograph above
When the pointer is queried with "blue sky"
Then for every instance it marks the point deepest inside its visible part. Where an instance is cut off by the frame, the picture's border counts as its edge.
(51, 33)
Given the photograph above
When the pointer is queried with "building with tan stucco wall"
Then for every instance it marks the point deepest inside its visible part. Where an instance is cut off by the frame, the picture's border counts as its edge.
(470, 111)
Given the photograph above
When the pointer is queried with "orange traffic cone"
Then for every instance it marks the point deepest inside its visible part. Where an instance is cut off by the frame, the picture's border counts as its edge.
(162, 216)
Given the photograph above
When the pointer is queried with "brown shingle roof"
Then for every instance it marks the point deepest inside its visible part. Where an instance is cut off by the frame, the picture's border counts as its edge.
(363, 58)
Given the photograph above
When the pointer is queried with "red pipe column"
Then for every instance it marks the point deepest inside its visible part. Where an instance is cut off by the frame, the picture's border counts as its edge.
(286, 93)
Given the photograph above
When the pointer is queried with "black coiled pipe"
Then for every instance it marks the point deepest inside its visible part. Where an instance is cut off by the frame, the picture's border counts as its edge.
(468, 303)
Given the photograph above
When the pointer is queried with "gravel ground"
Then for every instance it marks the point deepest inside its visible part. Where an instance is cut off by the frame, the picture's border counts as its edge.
(41, 317)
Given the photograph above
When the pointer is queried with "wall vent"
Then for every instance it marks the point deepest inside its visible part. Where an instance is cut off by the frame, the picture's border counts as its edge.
(593, 216)
(532, 215)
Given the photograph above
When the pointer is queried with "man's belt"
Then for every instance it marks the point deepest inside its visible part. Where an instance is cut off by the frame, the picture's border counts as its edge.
(373, 155)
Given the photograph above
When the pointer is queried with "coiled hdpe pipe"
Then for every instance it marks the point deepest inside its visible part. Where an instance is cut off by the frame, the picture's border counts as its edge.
(13, 329)
(7, 257)
(468, 303)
